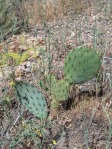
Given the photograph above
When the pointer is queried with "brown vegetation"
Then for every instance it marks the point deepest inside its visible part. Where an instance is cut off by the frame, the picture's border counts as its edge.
(53, 9)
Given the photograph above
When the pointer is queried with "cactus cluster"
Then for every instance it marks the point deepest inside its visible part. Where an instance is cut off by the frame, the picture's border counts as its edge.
(81, 65)
(32, 99)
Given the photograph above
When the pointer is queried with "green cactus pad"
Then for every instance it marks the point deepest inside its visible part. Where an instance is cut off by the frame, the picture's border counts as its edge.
(32, 99)
(81, 65)
(59, 88)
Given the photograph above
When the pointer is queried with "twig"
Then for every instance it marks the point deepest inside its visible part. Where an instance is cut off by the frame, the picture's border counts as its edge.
(5, 132)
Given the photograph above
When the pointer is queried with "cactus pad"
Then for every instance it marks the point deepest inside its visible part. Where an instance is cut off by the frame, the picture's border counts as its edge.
(81, 65)
(32, 99)
(62, 90)
(59, 88)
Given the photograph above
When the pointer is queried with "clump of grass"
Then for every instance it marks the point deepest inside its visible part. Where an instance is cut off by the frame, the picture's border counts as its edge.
(54, 9)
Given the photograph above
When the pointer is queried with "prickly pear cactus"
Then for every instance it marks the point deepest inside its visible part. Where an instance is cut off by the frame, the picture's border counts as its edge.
(32, 99)
(81, 65)
(59, 89)
(62, 90)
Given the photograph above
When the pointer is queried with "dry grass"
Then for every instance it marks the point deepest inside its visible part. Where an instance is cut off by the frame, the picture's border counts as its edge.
(54, 9)
(87, 121)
